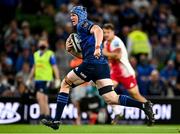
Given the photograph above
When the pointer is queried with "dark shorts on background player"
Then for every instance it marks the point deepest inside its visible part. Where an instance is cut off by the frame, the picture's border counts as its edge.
(94, 72)
(42, 86)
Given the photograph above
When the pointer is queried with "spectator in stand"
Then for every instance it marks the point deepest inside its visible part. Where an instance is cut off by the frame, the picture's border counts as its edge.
(25, 56)
(13, 26)
(24, 72)
(72, 3)
(163, 50)
(162, 30)
(28, 39)
(4, 86)
(155, 46)
(13, 45)
(144, 70)
(62, 16)
(169, 73)
(49, 10)
(155, 86)
(124, 34)
(96, 11)
(137, 4)
(133, 62)
(20, 88)
(7, 69)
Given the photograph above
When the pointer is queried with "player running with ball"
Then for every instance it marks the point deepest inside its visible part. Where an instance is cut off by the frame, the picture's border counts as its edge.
(94, 67)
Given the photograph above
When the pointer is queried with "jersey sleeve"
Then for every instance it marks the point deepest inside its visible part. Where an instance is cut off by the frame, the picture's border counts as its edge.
(116, 44)
(53, 60)
(85, 26)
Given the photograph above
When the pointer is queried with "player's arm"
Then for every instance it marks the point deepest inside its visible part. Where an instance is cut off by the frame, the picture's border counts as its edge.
(31, 75)
(55, 71)
(70, 49)
(116, 54)
(54, 67)
(98, 34)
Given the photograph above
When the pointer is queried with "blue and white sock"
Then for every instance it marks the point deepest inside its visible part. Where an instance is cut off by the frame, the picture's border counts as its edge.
(62, 100)
(130, 102)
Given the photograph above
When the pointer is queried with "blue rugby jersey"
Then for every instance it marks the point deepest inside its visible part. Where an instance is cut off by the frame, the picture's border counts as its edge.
(88, 43)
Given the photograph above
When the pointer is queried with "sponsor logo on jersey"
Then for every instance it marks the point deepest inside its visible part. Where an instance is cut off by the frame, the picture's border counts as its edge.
(83, 75)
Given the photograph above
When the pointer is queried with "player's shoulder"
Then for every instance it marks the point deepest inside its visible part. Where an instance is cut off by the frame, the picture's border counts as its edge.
(86, 24)
(116, 38)
(117, 41)
(50, 52)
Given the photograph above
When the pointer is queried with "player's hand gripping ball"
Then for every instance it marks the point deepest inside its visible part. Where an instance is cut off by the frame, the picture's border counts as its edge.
(73, 43)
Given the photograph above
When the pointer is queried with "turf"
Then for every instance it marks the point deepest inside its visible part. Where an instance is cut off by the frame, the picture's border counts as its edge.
(90, 129)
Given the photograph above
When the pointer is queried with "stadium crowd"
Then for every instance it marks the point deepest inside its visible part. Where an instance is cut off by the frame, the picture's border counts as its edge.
(23, 22)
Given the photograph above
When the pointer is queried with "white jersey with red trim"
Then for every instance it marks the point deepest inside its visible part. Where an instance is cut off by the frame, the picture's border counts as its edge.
(124, 64)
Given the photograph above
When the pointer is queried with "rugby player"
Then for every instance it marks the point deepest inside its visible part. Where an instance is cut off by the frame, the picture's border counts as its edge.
(94, 67)
(121, 71)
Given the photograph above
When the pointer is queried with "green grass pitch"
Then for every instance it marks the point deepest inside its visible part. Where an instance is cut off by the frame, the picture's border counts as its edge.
(90, 129)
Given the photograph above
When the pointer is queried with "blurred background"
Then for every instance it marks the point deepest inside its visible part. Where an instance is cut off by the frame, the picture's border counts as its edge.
(23, 22)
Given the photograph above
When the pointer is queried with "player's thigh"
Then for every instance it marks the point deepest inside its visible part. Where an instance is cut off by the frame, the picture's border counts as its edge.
(41, 96)
(103, 83)
(72, 80)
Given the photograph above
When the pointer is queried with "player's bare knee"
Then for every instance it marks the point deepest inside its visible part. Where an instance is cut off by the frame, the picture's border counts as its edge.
(107, 99)
(66, 85)
(111, 98)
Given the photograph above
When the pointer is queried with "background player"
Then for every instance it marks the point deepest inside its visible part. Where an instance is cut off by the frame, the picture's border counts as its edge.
(42, 71)
(121, 69)
(94, 67)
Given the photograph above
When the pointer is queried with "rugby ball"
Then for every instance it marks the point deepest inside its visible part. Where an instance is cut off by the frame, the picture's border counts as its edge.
(75, 39)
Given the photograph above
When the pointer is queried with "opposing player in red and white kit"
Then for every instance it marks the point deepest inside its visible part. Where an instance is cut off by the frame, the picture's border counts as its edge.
(121, 69)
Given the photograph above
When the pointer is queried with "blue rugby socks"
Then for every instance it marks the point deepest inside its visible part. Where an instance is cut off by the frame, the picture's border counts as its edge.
(130, 102)
(62, 100)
